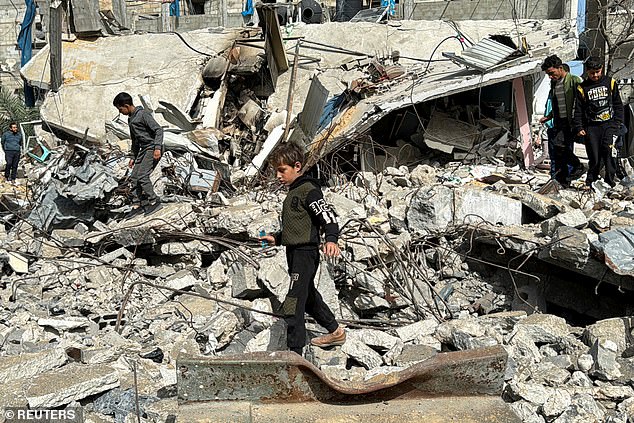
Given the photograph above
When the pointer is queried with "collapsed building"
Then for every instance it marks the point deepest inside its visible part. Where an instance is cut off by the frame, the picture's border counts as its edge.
(421, 131)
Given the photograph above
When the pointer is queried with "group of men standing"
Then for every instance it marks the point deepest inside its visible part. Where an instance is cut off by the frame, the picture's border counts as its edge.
(589, 111)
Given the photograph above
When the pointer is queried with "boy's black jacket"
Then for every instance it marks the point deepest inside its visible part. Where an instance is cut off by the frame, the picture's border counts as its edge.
(304, 213)
(597, 102)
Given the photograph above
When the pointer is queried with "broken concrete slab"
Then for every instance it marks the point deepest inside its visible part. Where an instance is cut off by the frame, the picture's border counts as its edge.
(412, 354)
(415, 330)
(70, 383)
(64, 323)
(476, 206)
(271, 339)
(544, 328)
(27, 366)
(18, 262)
(571, 247)
(574, 218)
(243, 278)
(430, 209)
(373, 338)
(181, 280)
(605, 367)
(616, 330)
(273, 273)
(545, 207)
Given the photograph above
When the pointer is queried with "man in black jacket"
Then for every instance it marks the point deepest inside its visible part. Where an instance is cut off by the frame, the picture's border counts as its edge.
(598, 117)
(304, 214)
(147, 144)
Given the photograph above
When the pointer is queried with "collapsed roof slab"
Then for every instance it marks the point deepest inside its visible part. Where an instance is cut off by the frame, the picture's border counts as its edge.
(416, 42)
(161, 66)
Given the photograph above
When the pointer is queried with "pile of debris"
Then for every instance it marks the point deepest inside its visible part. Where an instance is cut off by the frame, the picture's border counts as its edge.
(88, 308)
(443, 232)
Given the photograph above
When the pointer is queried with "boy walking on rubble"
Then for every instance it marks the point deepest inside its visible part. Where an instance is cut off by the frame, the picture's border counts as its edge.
(598, 118)
(304, 213)
(147, 144)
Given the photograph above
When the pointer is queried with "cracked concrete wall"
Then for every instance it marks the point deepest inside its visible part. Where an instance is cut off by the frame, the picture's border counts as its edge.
(489, 9)
(11, 14)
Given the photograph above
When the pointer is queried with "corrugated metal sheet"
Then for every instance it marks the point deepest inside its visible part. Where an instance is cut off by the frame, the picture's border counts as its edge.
(313, 107)
(484, 55)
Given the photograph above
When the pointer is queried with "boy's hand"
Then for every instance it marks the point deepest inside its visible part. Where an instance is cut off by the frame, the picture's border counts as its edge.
(331, 249)
(131, 163)
(268, 238)
(582, 133)
(544, 119)
(157, 154)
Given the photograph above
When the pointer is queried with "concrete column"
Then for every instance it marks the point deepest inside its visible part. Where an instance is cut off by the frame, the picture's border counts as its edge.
(408, 9)
(55, 43)
(224, 16)
(166, 21)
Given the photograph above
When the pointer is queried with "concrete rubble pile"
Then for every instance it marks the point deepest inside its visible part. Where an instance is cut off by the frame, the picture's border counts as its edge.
(82, 309)
(438, 255)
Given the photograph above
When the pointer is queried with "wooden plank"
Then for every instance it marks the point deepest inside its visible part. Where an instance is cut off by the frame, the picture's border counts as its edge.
(86, 16)
(522, 121)
(55, 44)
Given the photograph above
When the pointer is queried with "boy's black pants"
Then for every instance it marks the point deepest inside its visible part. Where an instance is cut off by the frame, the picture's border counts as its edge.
(599, 141)
(303, 296)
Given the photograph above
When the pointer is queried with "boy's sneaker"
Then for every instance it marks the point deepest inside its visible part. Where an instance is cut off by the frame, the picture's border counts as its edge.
(338, 337)
(153, 208)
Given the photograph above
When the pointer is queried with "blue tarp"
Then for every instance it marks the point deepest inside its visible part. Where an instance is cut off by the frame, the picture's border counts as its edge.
(175, 8)
(391, 4)
(25, 44)
(331, 109)
(248, 8)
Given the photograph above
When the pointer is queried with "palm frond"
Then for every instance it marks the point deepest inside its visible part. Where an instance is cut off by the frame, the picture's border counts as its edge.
(13, 109)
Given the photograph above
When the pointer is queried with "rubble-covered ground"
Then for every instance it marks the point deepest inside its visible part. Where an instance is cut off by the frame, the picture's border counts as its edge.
(449, 244)
(90, 299)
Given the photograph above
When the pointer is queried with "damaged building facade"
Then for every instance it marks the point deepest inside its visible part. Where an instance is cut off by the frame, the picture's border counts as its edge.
(464, 273)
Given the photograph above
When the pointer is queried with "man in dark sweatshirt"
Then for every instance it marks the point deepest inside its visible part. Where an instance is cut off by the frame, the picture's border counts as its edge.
(147, 145)
(598, 117)
(304, 214)
(11, 145)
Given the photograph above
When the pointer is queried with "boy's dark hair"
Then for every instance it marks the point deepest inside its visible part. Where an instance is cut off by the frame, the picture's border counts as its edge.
(12, 123)
(551, 62)
(287, 153)
(566, 67)
(122, 99)
(594, 63)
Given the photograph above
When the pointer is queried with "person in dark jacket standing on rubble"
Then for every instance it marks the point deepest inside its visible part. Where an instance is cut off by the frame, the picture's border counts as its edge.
(12, 145)
(304, 213)
(147, 145)
(598, 117)
(563, 85)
